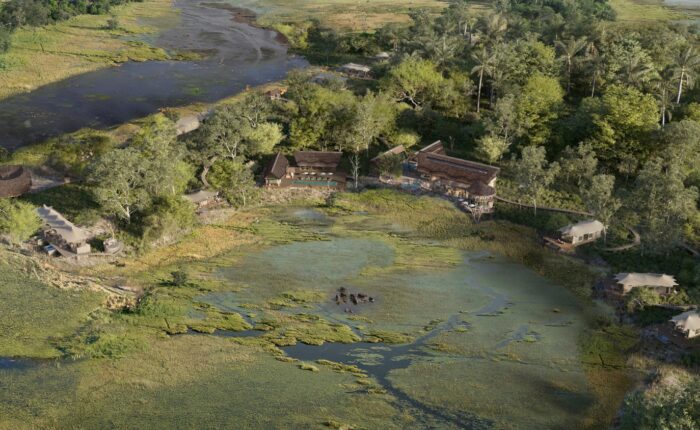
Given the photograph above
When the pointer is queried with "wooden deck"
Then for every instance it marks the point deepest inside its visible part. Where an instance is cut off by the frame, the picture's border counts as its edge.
(559, 245)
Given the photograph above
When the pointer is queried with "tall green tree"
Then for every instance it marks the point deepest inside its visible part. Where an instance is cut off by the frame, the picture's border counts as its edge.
(569, 49)
(687, 62)
(663, 205)
(482, 65)
(537, 105)
(121, 181)
(598, 195)
(533, 173)
(414, 81)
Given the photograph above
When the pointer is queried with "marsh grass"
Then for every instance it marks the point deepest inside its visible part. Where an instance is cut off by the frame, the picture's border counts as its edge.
(33, 316)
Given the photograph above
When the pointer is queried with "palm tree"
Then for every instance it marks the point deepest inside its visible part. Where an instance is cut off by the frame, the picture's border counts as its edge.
(495, 27)
(596, 66)
(664, 97)
(686, 62)
(569, 50)
(497, 73)
(483, 60)
(635, 71)
(440, 49)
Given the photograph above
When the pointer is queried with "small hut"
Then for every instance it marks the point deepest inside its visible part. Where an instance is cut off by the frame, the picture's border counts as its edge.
(582, 232)
(325, 77)
(687, 323)
(382, 56)
(203, 198)
(662, 284)
(14, 181)
(355, 70)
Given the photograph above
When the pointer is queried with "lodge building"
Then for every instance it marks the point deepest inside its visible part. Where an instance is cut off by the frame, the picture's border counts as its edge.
(309, 169)
(474, 182)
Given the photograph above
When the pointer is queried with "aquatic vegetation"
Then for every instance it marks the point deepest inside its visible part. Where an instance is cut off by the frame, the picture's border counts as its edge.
(374, 336)
(309, 367)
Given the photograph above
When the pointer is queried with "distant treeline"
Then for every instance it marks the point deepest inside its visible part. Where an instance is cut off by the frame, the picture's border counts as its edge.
(36, 13)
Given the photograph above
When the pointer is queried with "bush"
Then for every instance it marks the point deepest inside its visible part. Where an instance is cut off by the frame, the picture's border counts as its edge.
(113, 23)
(18, 220)
(180, 278)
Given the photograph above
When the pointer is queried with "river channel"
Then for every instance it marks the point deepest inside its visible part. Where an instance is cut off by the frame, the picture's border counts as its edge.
(235, 55)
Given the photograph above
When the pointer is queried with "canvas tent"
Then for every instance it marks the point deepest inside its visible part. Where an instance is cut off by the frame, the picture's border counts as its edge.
(687, 323)
(662, 284)
(582, 232)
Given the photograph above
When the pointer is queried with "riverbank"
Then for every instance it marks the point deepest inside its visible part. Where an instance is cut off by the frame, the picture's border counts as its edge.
(84, 43)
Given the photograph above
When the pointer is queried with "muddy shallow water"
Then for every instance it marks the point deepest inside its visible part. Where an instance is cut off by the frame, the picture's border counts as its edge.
(237, 55)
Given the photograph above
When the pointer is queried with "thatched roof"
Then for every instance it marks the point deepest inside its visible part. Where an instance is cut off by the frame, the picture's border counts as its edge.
(14, 181)
(320, 159)
(201, 196)
(455, 169)
(687, 322)
(632, 280)
(356, 68)
(582, 228)
(396, 150)
(67, 230)
(277, 168)
(435, 147)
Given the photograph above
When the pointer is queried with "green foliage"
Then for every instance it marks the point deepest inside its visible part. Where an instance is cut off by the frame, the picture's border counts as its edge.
(620, 120)
(491, 148)
(73, 153)
(391, 164)
(537, 105)
(235, 181)
(533, 173)
(640, 298)
(663, 205)
(128, 180)
(180, 278)
(18, 220)
(414, 81)
(667, 407)
(166, 217)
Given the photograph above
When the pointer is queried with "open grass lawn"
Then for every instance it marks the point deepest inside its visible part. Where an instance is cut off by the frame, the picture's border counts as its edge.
(635, 11)
(82, 44)
(348, 15)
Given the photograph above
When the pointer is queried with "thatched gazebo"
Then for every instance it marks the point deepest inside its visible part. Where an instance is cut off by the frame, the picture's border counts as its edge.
(14, 181)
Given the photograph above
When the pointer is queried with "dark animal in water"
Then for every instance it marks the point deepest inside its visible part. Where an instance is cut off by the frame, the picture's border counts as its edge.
(342, 290)
(337, 300)
(353, 299)
(371, 299)
(361, 296)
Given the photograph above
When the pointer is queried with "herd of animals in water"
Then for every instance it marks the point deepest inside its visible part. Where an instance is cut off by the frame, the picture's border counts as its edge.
(354, 299)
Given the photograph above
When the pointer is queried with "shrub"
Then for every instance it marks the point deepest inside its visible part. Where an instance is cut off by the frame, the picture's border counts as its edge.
(18, 220)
